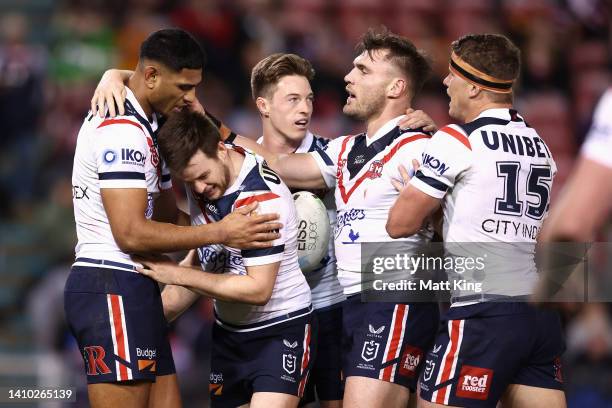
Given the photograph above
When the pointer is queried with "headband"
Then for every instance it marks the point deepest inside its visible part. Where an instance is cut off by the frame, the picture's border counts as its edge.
(477, 77)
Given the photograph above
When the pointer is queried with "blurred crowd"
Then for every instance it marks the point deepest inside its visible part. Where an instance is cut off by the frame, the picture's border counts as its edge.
(53, 52)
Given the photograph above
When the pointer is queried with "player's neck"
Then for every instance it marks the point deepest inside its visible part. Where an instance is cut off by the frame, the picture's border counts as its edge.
(278, 143)
(478, 109)
(234, 161)
(378, 121)
(138, 88)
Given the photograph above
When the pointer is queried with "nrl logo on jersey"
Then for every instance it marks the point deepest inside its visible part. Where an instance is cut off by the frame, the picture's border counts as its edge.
(290, 345)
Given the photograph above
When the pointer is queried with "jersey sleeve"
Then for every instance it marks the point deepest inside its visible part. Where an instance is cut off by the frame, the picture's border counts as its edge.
(121, 151)
(598, 144)
(269, 202)
(447, 155)
(327, 160)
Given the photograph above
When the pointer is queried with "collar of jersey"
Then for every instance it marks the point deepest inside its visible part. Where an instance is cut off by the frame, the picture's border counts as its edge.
(501, 113)
(304, 147)
(246, 168)
(129, 95)
(386, 128)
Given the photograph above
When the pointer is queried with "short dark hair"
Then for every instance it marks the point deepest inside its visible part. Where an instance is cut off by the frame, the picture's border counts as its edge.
(402, 52)
(493, 54)
(267, 72)
(174, 48)
(183, 134)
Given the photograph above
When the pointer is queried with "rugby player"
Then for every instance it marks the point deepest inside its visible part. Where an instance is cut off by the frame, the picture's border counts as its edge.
(492, 174)
(280, 84)
(383, 343)
(261, 353)
(123, 205)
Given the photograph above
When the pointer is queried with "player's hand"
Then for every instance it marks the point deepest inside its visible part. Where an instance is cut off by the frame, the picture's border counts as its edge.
(405, 175)
(110, 91)
(416, 119)
(244, 230)
(161, 269)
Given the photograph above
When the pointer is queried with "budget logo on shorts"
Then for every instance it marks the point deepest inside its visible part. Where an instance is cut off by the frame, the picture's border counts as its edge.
(474, 382)
(289, 363)
(409, 363)
(370, 350)
(429, 369)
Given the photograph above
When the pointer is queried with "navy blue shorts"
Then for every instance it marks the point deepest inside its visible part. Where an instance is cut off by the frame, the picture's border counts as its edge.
(118, 321)
(387, 341)
(274, 358)
(326, 374)
(481, 349)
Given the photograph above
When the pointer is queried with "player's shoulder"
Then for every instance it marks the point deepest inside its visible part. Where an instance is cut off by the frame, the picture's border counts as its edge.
(456, 132)
(413, 135)
(261, 184)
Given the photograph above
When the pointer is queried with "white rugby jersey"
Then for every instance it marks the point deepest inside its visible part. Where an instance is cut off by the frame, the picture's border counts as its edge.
(118, 152)
(324, 285)
(495, 175)
(598, 145)
(361, 170)
(256, 182)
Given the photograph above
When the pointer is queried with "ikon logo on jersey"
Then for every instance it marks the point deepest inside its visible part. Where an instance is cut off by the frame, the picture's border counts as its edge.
(132, 156)
(409, 363)
(474, 382)
(434, 164)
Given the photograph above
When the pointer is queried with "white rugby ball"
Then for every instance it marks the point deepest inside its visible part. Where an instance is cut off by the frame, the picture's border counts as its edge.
(313, 230)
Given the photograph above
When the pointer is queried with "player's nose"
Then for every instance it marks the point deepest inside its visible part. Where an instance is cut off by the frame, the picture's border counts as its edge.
(348, 77)
(189, 96)
(446, 80)
(200, 186)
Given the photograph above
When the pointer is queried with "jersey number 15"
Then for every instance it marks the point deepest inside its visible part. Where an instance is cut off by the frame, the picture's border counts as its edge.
(538, 187)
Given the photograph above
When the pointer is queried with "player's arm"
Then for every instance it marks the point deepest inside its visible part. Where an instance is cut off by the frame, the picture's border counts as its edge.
(583, 207)
(423, 194)
(298, 170)
(176, 299)
(133, 232)
(410, 211)
(254, 288)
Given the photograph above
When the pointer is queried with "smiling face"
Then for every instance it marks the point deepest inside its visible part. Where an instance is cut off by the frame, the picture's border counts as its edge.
(288, 107)
(206, 176)
(367, 84)
(173, 91)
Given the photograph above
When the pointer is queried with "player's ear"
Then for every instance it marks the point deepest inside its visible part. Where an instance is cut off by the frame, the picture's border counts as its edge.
(474, 91)
(397, 88)
(263, 106)
(151, 75)
(221, 150)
